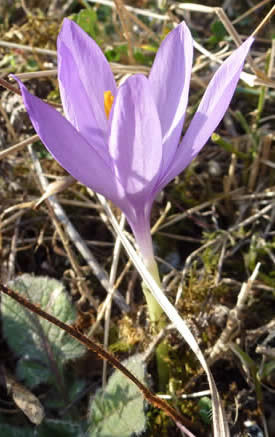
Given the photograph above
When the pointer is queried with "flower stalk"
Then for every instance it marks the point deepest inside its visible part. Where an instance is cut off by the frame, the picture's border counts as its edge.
(158, 321)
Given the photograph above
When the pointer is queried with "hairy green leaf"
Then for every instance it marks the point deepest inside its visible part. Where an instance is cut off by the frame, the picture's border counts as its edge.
(119, 410)
(42, 348)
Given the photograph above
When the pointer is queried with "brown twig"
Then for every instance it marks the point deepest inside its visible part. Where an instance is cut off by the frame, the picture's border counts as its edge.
(233, 321)
(123, 15)
(18, 146)
(264, 21)
(10, 87)
(16, 90)
(250, 11)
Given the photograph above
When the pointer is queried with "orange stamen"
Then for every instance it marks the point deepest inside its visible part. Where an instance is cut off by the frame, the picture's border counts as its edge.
(108, 102)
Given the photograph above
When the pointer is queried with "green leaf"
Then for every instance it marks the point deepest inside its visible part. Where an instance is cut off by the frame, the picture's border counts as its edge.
(87, 19)
(33, 372)
(267, 369)
(74, 388)
(140, 57)
(119, 410)
(77, 386)
(14, 431)
(112, 55)
(32, 65)
(249, 366)
(218, 32)
(59, 428)
(205, 409)
(103, 13)
(115, 54)
(49, 428)
(42, 347)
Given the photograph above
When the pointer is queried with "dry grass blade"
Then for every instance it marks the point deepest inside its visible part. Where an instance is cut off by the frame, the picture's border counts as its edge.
(12, 45)
(138, 11)
(233, 322)
(250, 11)
(143, 26)
(193, 7)
(56, 187)
(36, 74)
(113, 273)
(8, 123)
(264, 21)
(115, 67)
(228, 26)
(18, 146)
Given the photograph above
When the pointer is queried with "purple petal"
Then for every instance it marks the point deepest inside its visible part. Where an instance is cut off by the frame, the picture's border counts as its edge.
(211, 110)
(135, 142)
(92, 68)
(78, 106)
(169, 81)
(70, 149)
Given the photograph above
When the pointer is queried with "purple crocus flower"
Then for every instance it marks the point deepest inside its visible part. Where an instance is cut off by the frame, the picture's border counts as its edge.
(125, 142)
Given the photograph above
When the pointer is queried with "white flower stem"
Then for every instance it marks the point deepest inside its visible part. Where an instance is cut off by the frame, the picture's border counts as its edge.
(144, 242)
(156, 313)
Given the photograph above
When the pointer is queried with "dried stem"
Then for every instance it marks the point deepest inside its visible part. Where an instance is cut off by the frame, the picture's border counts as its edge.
(123, 15)
(113, 273)
(233, 322)
(18, 146)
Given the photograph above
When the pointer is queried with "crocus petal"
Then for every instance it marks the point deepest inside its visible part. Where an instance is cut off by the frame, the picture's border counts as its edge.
(135, 142)
(78, 106)
(92, 68)
(69, 148)
(211, 110)
(169, 80)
